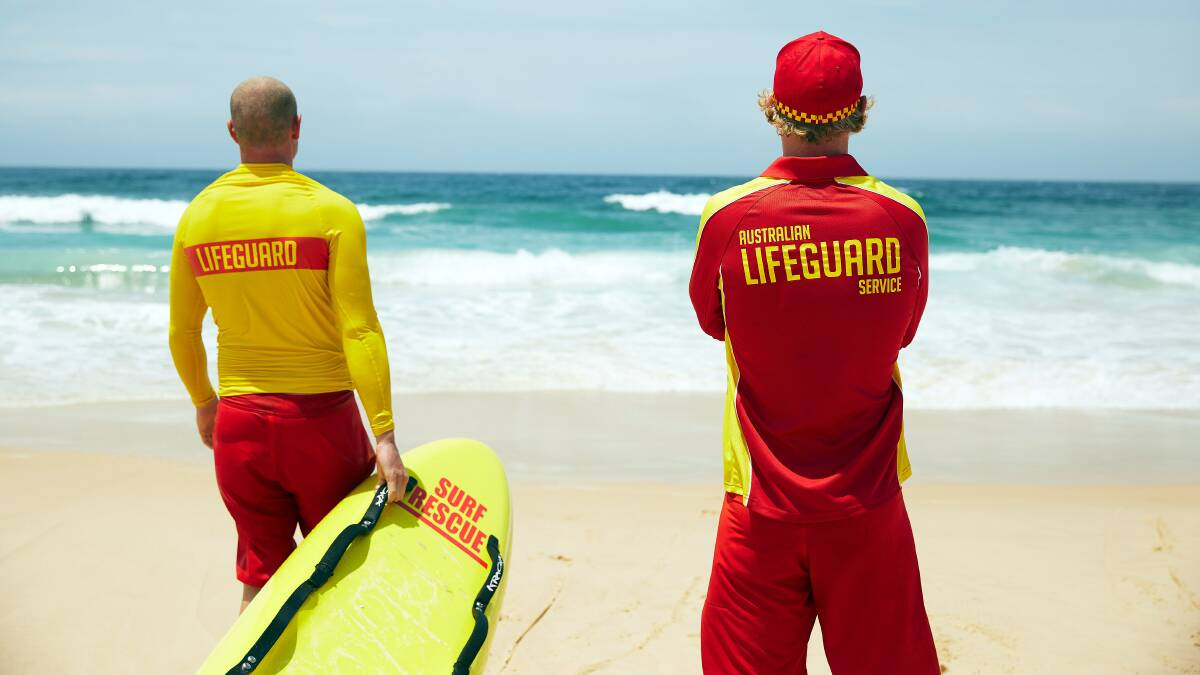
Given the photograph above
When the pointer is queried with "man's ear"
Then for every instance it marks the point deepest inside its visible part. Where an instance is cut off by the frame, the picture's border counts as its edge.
(296, 128)
(232, 131)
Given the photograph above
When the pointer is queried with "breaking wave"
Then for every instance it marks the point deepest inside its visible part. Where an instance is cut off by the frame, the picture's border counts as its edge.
(132, 215)
(662, 201)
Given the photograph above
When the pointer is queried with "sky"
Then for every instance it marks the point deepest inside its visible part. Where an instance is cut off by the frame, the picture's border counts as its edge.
(1037, 90)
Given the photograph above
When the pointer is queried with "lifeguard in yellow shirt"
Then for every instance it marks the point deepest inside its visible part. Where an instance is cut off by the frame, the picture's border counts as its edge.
(281, 261)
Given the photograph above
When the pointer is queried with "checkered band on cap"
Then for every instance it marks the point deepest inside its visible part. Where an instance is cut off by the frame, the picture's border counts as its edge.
(807, 118)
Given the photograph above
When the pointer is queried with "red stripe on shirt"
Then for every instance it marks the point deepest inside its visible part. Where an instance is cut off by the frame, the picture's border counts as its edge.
(258, 255)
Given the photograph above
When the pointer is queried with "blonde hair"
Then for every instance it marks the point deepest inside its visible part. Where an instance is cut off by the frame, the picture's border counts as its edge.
(813, 133)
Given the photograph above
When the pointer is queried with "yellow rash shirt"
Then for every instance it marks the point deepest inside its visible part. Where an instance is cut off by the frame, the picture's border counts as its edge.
(281, 260)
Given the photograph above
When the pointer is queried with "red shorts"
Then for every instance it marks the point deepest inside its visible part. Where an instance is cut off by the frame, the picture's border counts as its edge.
(771, 579)
(285, 460)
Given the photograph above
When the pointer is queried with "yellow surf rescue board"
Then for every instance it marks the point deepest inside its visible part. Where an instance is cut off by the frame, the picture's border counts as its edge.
(417, 590)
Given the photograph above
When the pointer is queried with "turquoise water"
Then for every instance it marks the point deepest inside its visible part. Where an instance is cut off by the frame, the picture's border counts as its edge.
(1043, 294)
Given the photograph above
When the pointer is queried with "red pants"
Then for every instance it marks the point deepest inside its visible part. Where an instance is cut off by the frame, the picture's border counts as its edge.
(771, 579)
(285, 460)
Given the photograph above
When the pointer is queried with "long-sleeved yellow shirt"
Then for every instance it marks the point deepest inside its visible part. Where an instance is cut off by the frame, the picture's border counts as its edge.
(281, 260)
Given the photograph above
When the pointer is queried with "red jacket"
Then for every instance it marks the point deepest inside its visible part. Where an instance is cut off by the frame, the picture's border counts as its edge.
(815, 275)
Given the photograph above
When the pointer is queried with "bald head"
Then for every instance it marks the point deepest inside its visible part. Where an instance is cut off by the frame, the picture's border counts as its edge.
(261, 110)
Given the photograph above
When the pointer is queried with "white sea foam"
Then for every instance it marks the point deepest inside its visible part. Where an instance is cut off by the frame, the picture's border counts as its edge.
(97, 209)
(691, 204)
(1009, 328)
(662, 201)
(552, 268)
(1084, 267)
(133, 216)
(380, 211)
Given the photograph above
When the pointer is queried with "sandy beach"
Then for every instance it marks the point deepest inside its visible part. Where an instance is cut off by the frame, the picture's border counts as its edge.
(1047, 544)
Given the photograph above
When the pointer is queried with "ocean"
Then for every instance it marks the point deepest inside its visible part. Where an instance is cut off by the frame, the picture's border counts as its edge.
(1043, 294)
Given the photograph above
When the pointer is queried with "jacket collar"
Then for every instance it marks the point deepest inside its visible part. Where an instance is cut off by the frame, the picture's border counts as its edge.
(814, 168)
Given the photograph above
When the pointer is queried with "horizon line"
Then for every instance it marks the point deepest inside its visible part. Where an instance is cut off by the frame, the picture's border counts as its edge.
(597, 174)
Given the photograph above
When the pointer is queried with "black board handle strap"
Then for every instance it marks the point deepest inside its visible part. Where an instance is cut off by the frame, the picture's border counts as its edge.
(479, 633)
(328, 563)
(321, 573)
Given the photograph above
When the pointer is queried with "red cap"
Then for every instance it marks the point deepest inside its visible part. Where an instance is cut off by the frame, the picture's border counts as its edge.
(817, 79)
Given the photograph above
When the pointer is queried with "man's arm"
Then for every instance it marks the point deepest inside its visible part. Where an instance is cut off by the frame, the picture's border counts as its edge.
(188, 308)
(918, 239)
(720, 218)
(910, 219)
(704, 287)
(362, 336)
(363, 343)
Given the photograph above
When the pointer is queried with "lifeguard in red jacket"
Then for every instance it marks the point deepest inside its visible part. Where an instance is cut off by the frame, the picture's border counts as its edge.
(815, 276)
